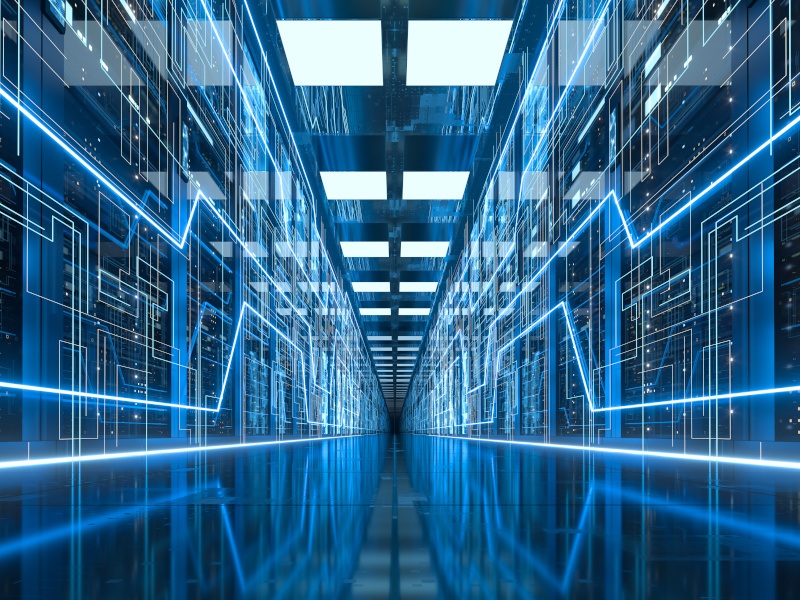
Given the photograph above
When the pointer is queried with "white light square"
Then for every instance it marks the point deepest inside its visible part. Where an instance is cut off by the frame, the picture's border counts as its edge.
(354, 185)
(379, 338)
(365, 249)
(369, 287)
(409, 338)
(456, 52)
(411, 348)
(434, 185)
(381, 348)
(418, 286)
(337, 52)
(422, 249)
(413, 312)
(376, 312)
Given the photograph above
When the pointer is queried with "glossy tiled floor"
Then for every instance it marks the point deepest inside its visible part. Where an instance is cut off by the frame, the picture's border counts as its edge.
(408, 517)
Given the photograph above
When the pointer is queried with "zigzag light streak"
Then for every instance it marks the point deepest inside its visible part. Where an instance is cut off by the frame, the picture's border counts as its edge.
(633, 243)
(177, 242)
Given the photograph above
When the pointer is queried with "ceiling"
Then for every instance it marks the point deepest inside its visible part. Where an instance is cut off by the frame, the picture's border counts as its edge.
(400, 106)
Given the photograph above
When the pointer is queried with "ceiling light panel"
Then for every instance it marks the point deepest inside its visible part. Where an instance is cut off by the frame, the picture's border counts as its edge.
(418, 286)
(409, 338)
(371, 287)
(365, 249)
(455, 53)
(434, 185)
(354, 185)
(422, 249)
(376, 312)
(380, 338)
(413, 312)
(336, 52)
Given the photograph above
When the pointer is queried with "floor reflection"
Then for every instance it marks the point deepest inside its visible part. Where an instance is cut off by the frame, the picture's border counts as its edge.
(282, 522)
(512, 522)
(403, 517)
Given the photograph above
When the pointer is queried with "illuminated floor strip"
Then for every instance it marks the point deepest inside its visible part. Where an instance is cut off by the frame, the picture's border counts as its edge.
(729, 460)
(34, 462)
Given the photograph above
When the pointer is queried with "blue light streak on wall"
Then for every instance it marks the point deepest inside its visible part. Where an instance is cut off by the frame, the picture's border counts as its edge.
(630, 270)
(166, 279)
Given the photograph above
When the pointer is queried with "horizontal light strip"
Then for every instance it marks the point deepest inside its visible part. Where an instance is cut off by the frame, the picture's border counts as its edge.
(418, 286)
(730, 460)
(462, 52)
(365, 249)
(354, 185)
(423, 249)
(434, 185)
(414, 312)
(376, 312)
(60, 460)
(333, 52)
(367, 287)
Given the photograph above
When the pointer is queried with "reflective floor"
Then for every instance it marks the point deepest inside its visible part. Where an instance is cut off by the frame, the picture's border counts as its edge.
(405, 517)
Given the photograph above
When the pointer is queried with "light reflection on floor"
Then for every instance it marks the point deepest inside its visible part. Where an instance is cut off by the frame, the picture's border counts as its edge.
(399, 517)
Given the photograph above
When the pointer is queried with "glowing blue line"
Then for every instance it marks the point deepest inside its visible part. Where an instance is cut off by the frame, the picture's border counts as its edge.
(61, 460)
(78, 394)
(634, 243)
(730, 460)
(178, 242)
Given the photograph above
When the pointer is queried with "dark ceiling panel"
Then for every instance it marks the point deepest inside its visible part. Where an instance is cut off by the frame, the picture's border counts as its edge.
(420, 275)
(424, 232)
(439, 152)
(351, 152)
(328, 9)
(363, 232)
(462, 9)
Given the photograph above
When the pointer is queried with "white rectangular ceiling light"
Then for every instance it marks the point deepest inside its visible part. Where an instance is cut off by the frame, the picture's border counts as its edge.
(410, 348)
(333, 52)
(371, 287)
(381, 348)
(376, 312)
(409, 338)
(365, 249)
(423, 249)
(455, 53)
(418, 286)
(413, 312)
(434, 185)
(354, 185)
(379, 338)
